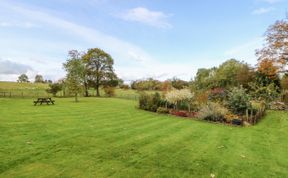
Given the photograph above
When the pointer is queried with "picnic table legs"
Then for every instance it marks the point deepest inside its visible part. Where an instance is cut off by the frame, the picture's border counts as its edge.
(44, 100)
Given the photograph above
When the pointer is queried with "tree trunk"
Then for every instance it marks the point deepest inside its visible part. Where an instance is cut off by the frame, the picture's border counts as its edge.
(86, 89)
(97, 91)
(97, 88)
(76, 97)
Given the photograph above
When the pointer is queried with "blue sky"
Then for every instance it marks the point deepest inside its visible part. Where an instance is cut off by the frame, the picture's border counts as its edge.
(146, 38)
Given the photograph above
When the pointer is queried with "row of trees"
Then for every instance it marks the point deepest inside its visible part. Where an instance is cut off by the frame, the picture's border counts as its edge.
(266, 80)
(263, 81)
(85, 70)
(93, 68)
(152, 84)
(23, 78)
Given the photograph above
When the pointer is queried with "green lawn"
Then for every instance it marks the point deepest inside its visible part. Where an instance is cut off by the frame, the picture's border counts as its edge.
(100, 137)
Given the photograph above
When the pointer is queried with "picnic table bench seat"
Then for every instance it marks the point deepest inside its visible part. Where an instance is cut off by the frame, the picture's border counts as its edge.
(43, 100)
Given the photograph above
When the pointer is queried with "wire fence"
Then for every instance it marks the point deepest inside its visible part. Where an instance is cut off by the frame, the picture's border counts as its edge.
(38, 94)
(23, 94)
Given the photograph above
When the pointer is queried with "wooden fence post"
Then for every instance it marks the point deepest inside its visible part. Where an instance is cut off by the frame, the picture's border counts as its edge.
(247, 116)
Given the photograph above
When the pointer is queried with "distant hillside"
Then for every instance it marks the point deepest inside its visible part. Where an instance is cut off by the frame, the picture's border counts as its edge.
(8, 86)
(14, 89)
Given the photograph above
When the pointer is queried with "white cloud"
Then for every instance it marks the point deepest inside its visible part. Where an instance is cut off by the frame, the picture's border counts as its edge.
(90, 35)
(131, 61)
(9, 68)
(121, 50)
(18, 24)
(136, 63)
(262, 10)
(146, 16)
(270, 1)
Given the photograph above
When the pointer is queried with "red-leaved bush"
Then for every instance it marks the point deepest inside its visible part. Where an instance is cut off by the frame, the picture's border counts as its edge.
(179, 113)
(192, 114)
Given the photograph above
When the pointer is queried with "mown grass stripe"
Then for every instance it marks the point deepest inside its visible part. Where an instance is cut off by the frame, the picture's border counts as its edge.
(103, 137)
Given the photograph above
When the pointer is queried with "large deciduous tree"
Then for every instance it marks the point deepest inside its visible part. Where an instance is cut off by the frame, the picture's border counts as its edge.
(39, 79)
(205, 79)
(227, 73)
(268, 68)
(245, 75)
(75, 73)
(99, 66)
(23, 78)
(276, 46)
(231, 73)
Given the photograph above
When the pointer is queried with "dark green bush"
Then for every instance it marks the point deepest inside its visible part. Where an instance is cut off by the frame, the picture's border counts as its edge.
(238, 101)
(149, 102)
(54, 88)
(183, 106)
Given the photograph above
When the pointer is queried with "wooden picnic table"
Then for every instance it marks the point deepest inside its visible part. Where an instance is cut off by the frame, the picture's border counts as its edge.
(43, 100)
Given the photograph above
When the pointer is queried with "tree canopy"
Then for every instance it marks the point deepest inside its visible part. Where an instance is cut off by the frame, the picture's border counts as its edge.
(54, 88)
(39, 79)
(23, 78)
(229, 74)
(99, 67)
(276, 44)
(75, 72)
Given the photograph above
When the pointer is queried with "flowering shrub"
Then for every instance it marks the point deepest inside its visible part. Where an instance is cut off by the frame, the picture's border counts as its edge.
(179, 96)
(229, 117)
(176, 96)
(213, 112)
(217, 94)
(192, 114)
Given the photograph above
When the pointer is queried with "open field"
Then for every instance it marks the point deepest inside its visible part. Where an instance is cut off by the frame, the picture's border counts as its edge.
(33, 90)
(100, 137)
(22, 86)
(14, 89)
